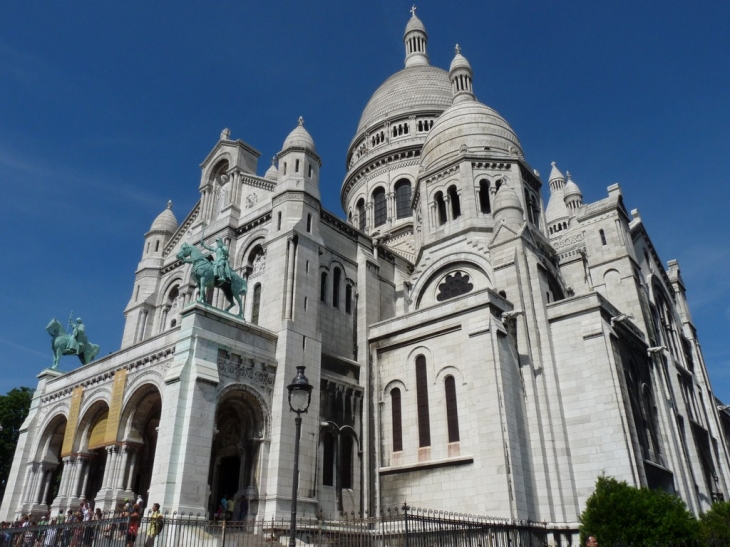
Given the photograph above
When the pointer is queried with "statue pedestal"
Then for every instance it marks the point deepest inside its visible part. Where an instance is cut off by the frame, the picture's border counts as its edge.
(49, 374)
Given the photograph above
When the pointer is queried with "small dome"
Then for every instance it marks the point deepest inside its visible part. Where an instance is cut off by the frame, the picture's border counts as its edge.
(414, 23)
(299, 138)
(272, 173)
(571, 188)
(507, 205)
(165, 221)
(459, 61)
(472, 125)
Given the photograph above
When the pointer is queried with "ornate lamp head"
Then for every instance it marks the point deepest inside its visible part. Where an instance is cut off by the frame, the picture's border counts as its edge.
(300, 392)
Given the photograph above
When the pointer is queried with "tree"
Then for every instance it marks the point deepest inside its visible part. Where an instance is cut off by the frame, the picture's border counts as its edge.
(715, 524)
(617, 513)
(14, 408)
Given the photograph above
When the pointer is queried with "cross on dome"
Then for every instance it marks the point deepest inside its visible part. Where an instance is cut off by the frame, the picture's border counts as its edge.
(301, 121)
(457, 49)
(169, 204)
(413, 10)
(273, 160)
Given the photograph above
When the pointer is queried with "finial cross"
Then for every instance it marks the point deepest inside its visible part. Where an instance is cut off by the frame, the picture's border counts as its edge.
(457, 49)
(413, 10)
(301, 120)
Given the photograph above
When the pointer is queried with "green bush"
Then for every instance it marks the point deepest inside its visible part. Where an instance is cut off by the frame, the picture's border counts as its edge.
(715, 524)
(617, 513)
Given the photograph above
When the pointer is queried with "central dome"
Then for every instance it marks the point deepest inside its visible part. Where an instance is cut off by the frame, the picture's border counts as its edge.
(413, 89)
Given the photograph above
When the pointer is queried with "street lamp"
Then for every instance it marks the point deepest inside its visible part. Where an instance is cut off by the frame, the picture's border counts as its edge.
(300, 395)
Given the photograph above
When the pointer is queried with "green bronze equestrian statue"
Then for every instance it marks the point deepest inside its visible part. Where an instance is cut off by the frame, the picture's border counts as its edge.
(75, 343)
(215, 272)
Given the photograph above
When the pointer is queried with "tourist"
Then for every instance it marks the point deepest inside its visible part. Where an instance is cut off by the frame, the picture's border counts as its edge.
(591, 541)
(155, 526)
(133, 527)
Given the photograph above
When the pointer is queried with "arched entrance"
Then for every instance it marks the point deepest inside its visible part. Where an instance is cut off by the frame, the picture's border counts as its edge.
(236, 452)
(91, 452)
(139, 425)
(45, 481)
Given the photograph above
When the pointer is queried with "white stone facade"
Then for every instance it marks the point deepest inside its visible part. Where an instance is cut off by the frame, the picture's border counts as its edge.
(471, 349)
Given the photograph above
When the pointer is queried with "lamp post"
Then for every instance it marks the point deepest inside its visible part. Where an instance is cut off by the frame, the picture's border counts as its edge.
(300, 395)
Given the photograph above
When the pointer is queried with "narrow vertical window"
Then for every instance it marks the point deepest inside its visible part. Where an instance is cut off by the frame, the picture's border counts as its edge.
(403, 199)
(309, 223)
(348, 298)
(603, 237)
(484, 206)
(285, 168)
(278, 221)
(397, 423)
(346, 445)
(441, 208)
(323, 287)
(380, 207)
(361, 214)
(424, 424)
(336, 288)
(256, 304)
(136, 293)
(455, 205)
(148, 248)
(452, 413)
(157, 245)
(296, 166)
(328, 460)
(310, 171)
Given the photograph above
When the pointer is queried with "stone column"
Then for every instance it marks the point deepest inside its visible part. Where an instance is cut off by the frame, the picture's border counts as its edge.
(132, 468)
(47, 484)
(85, 471)
(122, 468)
(40, 484)
(447, 202)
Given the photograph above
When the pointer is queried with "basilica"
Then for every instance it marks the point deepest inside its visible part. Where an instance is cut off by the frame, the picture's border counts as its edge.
(479, 339)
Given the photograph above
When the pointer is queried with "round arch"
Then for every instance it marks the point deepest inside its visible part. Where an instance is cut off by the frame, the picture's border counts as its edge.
(474, 267)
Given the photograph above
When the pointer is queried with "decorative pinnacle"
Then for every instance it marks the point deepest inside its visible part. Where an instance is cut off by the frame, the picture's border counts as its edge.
(301, 121)
(457, 49)
(552, 163)
(413, 10)
(169, 204)
(567, 174)
(273, 160)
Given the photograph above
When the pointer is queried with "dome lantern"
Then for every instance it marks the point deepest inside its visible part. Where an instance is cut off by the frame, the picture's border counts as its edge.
(461, 77)
(415, 40)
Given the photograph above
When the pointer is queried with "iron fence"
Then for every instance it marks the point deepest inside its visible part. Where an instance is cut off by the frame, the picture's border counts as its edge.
(406, 527)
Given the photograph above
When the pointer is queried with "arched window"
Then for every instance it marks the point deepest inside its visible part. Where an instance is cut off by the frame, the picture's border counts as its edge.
(403, 199)
(361, 220)
(256, 304)
(440, 207)
(346, 446)
(424, 424)
(323, 287)
(397, 420)
(528, 207)
(484, 205)
(328, 459)
(348, 298)
(173, 323)
(379, 207)
(603, 237)
(336, 288)
(455, 205)
(452, 413)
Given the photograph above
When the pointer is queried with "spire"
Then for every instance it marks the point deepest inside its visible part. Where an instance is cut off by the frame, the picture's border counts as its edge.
(461, 76)
(415, 40)
(557, 179)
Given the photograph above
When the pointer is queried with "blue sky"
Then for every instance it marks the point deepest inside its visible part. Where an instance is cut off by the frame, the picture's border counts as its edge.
(107, 110)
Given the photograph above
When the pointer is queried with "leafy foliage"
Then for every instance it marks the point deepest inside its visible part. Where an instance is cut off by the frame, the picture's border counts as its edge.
(715, 524)
(14, 408)
(617, 513)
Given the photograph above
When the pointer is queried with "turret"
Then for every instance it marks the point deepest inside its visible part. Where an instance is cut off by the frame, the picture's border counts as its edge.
(160, 232)
(572, 196)
(460, 76)
(556, 214)
(507, 207)
(415, 40)
(299, 163)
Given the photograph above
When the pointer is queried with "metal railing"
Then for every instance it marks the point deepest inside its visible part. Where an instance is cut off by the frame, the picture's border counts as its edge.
(404, 527)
